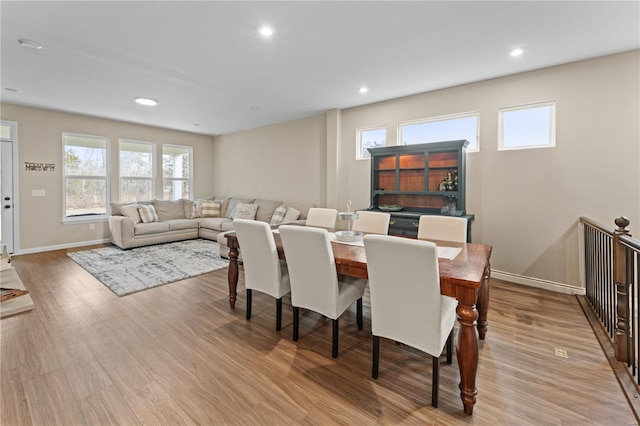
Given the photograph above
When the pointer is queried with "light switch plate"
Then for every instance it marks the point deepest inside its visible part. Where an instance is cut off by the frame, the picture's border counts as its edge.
(37, 192)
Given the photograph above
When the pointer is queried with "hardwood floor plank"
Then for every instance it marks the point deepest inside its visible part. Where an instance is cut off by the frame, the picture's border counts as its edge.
(14, 408)
(107, 408)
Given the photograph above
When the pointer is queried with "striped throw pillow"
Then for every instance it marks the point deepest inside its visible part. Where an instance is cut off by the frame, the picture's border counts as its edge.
(147, 213)
(211, 208)
(278, 215)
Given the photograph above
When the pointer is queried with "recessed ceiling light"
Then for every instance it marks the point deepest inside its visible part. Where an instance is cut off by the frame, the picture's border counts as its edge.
(146, 101)
(30, 44)
(516, 52)
(266, 31)
(363, 89)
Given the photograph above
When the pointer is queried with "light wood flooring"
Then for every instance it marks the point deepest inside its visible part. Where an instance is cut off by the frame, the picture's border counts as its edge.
(177, 354)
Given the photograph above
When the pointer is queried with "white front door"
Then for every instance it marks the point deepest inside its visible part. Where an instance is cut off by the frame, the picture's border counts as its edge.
(7, 190)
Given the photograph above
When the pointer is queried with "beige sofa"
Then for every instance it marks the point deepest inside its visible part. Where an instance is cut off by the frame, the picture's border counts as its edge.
(179, 220)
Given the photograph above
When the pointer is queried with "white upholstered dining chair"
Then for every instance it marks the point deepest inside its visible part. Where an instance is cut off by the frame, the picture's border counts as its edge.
(372, 222)
(314, 280)
(406, 304)
(263, 270)
(325, 218)
(446, 228)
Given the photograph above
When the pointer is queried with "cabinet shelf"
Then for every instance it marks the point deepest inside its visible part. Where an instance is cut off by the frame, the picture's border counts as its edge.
(412, 176)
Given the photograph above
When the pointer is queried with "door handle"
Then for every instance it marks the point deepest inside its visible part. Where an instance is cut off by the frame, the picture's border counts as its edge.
(7, 206)
(7, 198)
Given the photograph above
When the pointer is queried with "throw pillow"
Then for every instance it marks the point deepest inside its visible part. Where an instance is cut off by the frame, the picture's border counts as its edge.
(291, 215)
(196, 209)
(210, 208)
(148, 213)
(131, 211)
(244, 211)
(278, 215)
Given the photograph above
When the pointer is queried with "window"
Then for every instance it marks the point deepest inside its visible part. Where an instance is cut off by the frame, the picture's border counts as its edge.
(371, 137)
(444, 128)
(136, 171)
(86, 176)
(176, 172)
(528, 126)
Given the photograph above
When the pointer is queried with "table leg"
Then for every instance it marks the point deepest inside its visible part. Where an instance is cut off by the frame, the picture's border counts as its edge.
(483, 302)
(467, 354)
(233, 275)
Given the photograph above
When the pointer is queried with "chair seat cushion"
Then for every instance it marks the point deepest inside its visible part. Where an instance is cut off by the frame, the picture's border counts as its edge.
(350, 289)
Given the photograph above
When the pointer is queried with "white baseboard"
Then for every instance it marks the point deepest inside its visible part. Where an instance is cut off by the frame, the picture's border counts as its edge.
(61, 246)
(537, 282)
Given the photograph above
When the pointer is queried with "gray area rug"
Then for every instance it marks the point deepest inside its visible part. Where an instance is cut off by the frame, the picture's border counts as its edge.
(129, 271)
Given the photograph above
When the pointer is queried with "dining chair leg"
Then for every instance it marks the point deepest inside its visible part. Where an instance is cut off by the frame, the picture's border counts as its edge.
(296, 323)
(450, 348)
(435, 381)
(376, 357)
(278, 314)
(359, 313)
(334, 344)
(249, 294)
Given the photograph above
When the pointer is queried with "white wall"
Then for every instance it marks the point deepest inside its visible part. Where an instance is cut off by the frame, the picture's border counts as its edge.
(40, 141)
(284, 162)
(527, 203)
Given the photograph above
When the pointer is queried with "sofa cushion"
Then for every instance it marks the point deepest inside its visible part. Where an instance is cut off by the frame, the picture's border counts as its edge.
(232, 205)
(131, 211)
(303, 208)
(214, 223)
(227, 226)
(176, 224)
(148, 213)
(151, 228)
(188, 208)
(278, 215)
(291, 215)
(169, 209)
(244, 211)
(115, 207)
(265, 209)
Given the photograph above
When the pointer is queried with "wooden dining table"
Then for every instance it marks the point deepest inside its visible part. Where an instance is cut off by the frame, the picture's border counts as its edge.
(466, 277)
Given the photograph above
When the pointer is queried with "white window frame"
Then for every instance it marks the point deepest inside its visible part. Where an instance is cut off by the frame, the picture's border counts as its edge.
(92, 217)
(189, 179)
(359, 131)
(552, 125)
(153, 166)
(447, 117)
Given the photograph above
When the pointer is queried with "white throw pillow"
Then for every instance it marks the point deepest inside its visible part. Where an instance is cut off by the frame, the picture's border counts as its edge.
(131, 211)
(278, 215)
(244, 211)
(147, 213)
(291, 215)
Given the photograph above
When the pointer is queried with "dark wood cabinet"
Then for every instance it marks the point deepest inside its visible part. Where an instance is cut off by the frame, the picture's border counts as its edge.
(423, 179)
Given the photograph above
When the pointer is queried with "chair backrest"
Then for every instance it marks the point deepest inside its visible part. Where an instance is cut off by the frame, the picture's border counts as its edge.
(325, 218)
(260, 258)
(446, 228)
(312, 268)
(372, 222)
(404, 286)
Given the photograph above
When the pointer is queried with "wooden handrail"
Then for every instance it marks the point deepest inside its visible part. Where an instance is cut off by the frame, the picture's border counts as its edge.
(596, 225)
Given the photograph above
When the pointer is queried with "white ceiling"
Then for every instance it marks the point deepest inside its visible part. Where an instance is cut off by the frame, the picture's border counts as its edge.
(205, 62)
